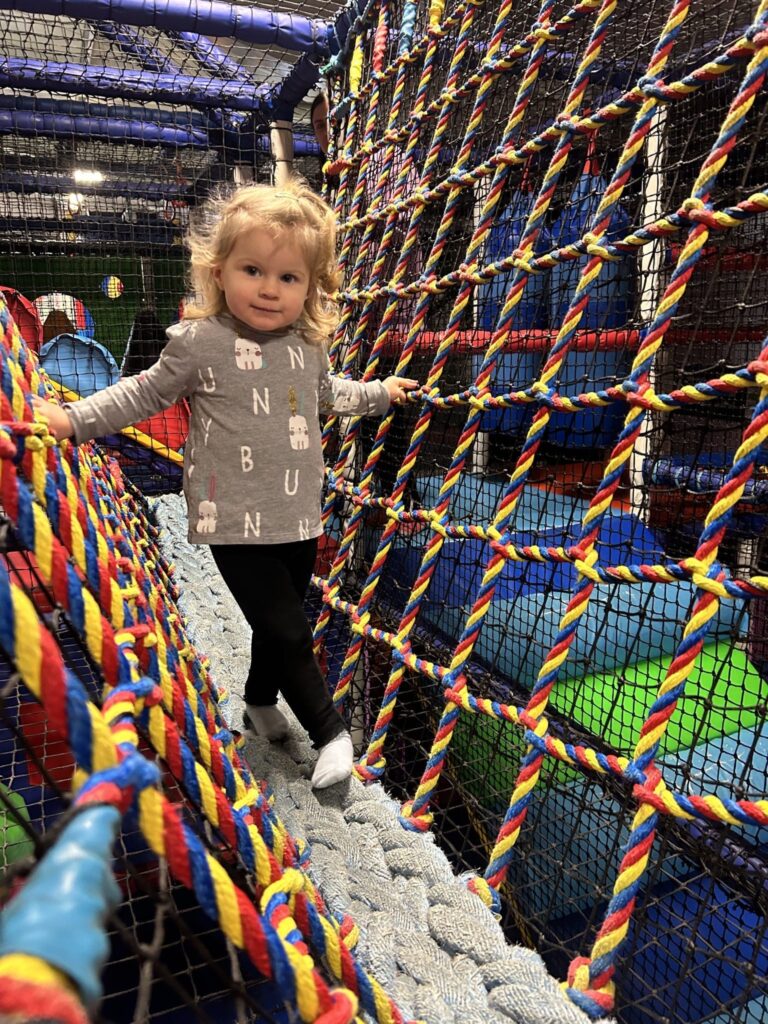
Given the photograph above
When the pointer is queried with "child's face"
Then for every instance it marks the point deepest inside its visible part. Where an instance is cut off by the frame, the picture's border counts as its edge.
(265, 280)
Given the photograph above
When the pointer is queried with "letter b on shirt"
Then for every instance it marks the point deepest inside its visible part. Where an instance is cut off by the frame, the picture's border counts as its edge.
(246, 460)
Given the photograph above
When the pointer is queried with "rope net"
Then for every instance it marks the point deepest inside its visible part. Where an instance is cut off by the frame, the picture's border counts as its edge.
(542, 599)
(546, 610)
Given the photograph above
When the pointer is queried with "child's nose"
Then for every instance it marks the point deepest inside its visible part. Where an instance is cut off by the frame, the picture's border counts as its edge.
(268, 286)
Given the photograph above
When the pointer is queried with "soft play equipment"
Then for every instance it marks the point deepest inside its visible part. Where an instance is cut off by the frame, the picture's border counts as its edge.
(67, 306)
(519, 366)
(15, 841)
(79, 363)
(26, 316)
(606, 685)
(608, 308)
(539, 520)
(684, 981)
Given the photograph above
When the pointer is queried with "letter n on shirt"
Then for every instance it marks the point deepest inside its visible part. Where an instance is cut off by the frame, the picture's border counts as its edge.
(260, 402)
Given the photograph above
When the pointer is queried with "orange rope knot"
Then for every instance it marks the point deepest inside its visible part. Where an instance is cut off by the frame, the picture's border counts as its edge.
(645, 795)
(701, 214)
(430, 285)
(641, 395)
(456, 696)
(508, 157)
(538, 725)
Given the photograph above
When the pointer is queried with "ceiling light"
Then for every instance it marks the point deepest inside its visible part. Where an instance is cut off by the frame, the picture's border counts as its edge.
(84, 177)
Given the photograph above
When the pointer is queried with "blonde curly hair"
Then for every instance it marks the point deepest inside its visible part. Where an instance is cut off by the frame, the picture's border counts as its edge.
(292, 207)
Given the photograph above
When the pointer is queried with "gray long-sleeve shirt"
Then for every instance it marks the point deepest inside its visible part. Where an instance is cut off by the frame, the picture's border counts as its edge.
(253, 465)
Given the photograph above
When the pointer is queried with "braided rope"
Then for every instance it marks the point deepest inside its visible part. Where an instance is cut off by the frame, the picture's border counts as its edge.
(460, 52)
(104, 744)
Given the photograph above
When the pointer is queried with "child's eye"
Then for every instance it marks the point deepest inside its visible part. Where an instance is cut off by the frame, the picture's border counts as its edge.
(253, 271)
(289, 278)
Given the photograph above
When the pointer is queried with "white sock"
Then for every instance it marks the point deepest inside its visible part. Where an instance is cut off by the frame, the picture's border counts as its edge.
(267, 721)
(334, 762)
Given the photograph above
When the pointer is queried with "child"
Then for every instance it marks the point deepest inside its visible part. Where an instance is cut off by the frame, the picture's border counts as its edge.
(251, 360)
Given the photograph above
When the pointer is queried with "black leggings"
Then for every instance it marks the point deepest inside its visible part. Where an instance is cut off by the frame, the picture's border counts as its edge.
(269, 582)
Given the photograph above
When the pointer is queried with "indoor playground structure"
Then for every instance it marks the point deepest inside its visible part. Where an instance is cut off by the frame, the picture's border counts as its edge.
(541, 599)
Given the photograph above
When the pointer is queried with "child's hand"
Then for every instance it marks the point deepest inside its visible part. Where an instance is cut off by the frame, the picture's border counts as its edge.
(57, 418)
(398, 388)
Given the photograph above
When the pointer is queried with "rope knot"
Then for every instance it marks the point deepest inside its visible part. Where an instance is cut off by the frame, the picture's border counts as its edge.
(757, 35)
(759, 370)
(594, 248)
(585, 566)
(521, 258)
(653, 88)
(697, 567)
(34, 443)
(578, 973)
(690, 204)
(541, 33)
(478, 402)
(565, 123)
(541, 390)
(481, 889)
(701, 215)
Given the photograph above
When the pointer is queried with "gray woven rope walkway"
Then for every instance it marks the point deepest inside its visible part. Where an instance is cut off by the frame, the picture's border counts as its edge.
(428, 940)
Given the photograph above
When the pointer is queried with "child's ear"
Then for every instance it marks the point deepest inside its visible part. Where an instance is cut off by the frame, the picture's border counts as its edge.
(217, 275)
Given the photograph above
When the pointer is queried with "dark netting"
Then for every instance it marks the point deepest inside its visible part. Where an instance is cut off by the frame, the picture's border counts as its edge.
(111, 135)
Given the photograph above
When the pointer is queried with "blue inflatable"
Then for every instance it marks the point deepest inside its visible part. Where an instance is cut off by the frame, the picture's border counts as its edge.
(79, 363)
(588, 857)
(519, 368)
(711, 960)
(539, 520)
(623, 624)
(609, 308)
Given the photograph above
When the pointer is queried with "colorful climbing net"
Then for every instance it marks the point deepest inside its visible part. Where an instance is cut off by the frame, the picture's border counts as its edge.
(415, 101)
